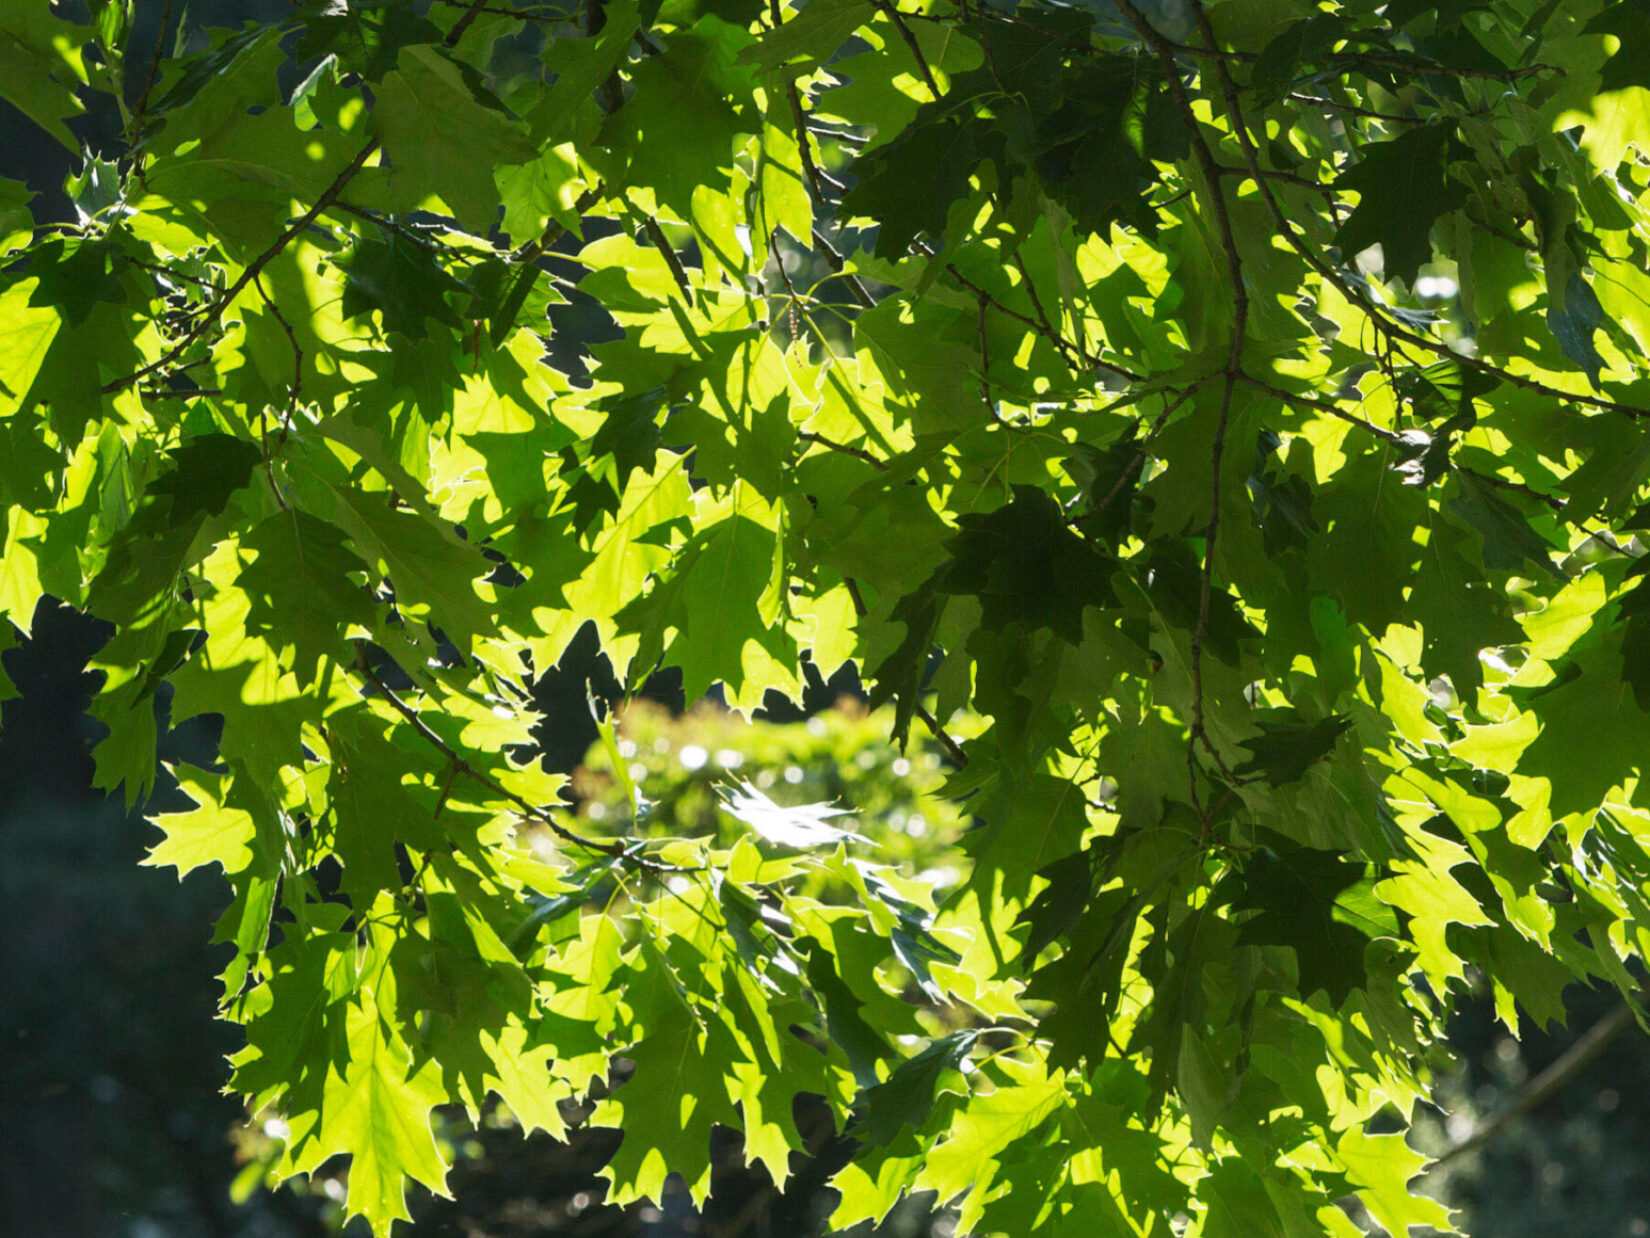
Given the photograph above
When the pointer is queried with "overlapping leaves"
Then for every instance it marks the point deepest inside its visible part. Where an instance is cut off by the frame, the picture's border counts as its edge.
(1222, 438)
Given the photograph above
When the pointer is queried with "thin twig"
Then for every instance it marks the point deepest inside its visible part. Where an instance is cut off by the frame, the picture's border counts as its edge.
(840, 266)
(847, 139)
(1044, 329)
(1381, 60)
(499, 10)
(1323, 406)
(1288, 178)
(1354, 110)
(294, 395)
(985, 361)
(555, 230)
(595, 20)
(463, 24)
(1080, 344)
(1140, 455)
(656, 234)
(808, 436)
(952, 748)
(215, 310)
(386, 222)
(1234, 362)
(616, 848)
(816, 176)
(1552, 501)
(140, 113)
(1386, 326)
(160, 269)
(1549, 1082)
(1442, 70)
(894, 15)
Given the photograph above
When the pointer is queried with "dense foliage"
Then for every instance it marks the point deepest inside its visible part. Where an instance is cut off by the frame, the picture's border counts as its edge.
(1232, 404)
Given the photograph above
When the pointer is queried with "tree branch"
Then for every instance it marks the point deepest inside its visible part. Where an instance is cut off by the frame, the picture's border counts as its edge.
(215, 310)
(985, 361)
(1392, 330)
(1548, 1083)
(656, 234)
(1323, 406)
(894, 15)
(1353, 109)
(840, 266)
(463, 23)
(1234, 361)
(816, 176)
(808, 436)
(1073, 354)
(1140, 455)
(616, 848)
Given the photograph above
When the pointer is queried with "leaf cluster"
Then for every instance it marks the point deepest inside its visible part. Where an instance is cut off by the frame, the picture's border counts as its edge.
(1217, 427)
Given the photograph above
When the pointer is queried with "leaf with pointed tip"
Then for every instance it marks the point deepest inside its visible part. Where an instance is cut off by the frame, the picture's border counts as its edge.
(1321, 906)
(1404, 188)
(907, 1096)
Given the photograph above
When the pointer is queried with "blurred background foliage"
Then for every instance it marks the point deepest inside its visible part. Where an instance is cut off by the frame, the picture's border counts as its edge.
(112, 1119)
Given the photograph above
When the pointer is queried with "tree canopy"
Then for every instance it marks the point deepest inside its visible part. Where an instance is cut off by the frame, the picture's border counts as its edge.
(1212, 425)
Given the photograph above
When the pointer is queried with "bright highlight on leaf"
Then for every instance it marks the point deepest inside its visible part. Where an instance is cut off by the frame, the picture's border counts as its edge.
(800, 826)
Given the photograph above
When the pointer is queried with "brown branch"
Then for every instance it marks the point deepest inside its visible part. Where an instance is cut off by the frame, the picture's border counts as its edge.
(1047, 324)
(1558, 506)
(215, 310)
(1288, 178)
(1389, 328)
(952, 748)
(1044, 329)
(816, 176)
(294, 394)
(661, 242)
(616, 848)
(808, 436)
(840, 266)
(847, 139)
(1234, 360)
(161, 269)
(1221, 55)
(555, 230)
(463, 24)
(1323, 406)
(1442, 70)
(595, 20)
(1512, 238)
(894, 15)
(1206, 53)
(499, 10)
(140, 112)
(386, 222)
(1353, 109)
(1548, 1083)
(1140, 455)
(985, 361)
(292, 398)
